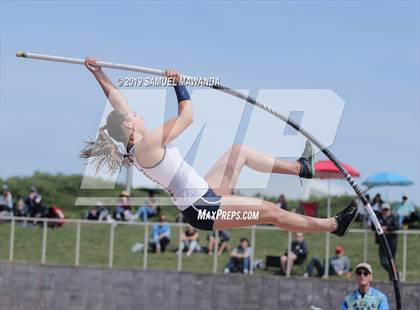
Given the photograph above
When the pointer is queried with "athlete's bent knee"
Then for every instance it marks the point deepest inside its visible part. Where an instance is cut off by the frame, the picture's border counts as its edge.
(236, 149)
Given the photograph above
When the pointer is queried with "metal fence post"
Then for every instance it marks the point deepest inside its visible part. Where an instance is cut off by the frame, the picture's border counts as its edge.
(216, 249)
(129, 181)
(180, 250)
(327, 255)
(365, 241)
(404, 256)
(251, 268)
(12, 240)
(77, 258)
(146, 246)
(327, 237)
(289, 249)
(44, 242)
(111, 246)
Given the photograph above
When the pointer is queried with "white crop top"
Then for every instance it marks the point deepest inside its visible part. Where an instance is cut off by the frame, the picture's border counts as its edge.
(176, 176)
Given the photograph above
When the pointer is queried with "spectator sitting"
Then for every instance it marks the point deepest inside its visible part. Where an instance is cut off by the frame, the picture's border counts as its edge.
(118, 213)
(6, 201)
(161, 234)
(338, 265)
(122, 211)
(299, 251)
(20, 208)
(99, 213)
(282, 203)
(93, 214)
(389, 223)
(148, 209)
(405, 212)
(38, 210)
(240, 258)
(365, 297)
(30, 200)
(223, 241)
(104, 215)
(54, 212)
(190, 241)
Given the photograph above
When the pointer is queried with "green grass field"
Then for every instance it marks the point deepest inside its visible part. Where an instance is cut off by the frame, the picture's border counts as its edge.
(94, 248)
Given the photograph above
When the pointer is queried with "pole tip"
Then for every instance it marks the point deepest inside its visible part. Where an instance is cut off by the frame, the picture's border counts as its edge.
(20, 54)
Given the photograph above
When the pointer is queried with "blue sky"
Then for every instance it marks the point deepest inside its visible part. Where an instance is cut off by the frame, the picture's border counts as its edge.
(366, 52)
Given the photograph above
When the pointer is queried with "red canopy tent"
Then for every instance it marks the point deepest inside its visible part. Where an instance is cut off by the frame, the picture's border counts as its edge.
(325, 169)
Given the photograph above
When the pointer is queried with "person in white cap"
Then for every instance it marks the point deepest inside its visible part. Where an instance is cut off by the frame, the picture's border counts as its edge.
(365, 297)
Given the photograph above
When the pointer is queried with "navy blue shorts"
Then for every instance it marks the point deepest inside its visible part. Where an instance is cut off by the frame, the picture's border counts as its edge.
(209, 203)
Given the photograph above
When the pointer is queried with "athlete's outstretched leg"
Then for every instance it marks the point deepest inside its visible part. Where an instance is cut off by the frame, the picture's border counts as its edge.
(248, 207)
(246, 210)
(224, 174)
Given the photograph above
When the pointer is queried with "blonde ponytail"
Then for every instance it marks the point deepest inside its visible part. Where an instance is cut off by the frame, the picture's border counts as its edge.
(104, 151)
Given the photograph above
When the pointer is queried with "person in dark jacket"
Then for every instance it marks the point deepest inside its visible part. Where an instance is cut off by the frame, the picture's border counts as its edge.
(389, 223)
(93, 214)
(30, 201)
(38, 210)
(297, 254)
(282, 203)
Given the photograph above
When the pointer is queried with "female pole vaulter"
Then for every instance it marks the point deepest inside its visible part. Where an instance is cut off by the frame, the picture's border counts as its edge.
(153, 153)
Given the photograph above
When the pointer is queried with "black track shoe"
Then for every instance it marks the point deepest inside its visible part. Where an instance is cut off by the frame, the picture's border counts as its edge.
(307, 166)
(345, 218)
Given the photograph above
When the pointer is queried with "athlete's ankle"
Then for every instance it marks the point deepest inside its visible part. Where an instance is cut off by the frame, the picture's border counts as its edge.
(334, 224)
(298, 168)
